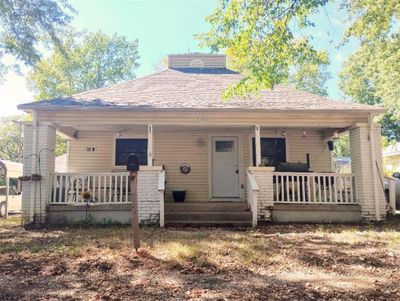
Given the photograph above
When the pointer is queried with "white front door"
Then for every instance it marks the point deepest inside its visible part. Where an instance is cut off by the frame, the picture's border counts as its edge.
(225, 167)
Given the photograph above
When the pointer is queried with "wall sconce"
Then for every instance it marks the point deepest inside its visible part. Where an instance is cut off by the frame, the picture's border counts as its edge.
(283, 132)
(304, 135)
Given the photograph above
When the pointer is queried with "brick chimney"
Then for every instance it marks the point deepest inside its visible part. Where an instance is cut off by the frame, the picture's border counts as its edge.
(196, 60)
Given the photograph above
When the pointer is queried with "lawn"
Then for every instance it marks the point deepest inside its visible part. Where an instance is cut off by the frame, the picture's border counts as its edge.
(276, 262)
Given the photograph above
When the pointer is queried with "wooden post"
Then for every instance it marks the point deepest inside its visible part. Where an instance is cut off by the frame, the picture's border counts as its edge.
(135, 218)
(257, 138)
(150, 156)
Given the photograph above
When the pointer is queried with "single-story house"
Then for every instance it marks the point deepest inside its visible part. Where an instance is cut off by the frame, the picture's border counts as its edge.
(391, 158)
(240, 162)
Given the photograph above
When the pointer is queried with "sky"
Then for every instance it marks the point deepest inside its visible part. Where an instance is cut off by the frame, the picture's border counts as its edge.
(166, 27)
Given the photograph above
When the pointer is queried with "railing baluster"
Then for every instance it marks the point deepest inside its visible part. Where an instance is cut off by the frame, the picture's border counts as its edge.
(351, 189)
(66, 188)
(324, 187)
(115, 189)
(126, 188)
(54, 188)
(330, 188)
(298, 188)
(120, 189)
(346, 197)
(308, 189)
(287, 189)
(60, 189)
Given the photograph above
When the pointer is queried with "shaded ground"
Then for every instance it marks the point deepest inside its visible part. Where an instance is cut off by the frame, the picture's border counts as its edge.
(278, 262)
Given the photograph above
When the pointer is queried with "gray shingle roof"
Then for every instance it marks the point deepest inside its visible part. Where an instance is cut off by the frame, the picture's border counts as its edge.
(193, 89)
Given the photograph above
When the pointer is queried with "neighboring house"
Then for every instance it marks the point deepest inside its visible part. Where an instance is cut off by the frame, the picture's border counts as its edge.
(391, 158)
(237, 160)
(10, 196)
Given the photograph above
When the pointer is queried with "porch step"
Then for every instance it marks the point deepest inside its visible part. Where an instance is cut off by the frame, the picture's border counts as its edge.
(196, 224)
(207, 214)
(206, 207)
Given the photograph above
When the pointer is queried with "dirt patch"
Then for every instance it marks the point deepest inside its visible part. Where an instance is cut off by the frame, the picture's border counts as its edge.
(277, 262)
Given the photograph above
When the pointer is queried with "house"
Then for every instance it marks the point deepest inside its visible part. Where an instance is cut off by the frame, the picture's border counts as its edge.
(242, 161)
(391, 158)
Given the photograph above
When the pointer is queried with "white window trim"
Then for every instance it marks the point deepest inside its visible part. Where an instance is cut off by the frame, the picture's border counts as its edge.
(114, 145)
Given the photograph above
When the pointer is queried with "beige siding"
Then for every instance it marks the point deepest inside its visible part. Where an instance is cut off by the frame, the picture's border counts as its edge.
(92, 119)
(313, 144)
(185, 61)
(176, 145)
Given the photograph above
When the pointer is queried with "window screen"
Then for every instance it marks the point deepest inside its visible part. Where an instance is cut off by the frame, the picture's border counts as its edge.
(126, 147)
(273, 151)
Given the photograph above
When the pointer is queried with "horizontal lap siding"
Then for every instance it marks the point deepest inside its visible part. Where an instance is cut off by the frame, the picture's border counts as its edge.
(174, 146)
(313, 144)
(172, 149)
(94, 118)
(80, 160)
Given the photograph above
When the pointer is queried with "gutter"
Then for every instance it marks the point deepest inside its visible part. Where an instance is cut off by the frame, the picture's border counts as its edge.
(373, 162)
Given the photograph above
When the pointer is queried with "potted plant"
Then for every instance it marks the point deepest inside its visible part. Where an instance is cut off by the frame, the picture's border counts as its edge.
(179, 194)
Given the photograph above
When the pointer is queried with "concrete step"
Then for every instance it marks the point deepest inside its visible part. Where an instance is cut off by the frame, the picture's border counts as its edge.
(208, 216)
(207, 207)
(197, 224)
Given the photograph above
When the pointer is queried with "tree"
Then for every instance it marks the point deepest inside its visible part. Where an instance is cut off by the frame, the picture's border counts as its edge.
(311, 77)
(11, 141)
(26, 25)
(259, 36)
(371, 74)
(92, 60)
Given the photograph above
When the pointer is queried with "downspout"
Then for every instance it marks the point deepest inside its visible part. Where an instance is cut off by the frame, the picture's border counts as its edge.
(33, 165)
(373, 160)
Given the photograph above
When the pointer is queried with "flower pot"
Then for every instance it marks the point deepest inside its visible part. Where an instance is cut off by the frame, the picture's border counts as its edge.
(179, 195)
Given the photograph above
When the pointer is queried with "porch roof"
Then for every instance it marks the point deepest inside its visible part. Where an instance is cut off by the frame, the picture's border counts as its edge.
(195, 89)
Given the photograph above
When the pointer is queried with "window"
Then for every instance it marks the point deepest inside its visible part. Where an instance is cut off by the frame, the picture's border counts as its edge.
(223, 146)
(126, 147)
(273, 151)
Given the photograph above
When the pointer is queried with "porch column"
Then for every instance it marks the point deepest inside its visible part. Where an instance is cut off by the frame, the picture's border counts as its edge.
(150, 145)
(39, 158)
(257, 138)
(366, 164)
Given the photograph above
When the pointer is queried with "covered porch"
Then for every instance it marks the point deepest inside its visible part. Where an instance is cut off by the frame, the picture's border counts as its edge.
(216, 161)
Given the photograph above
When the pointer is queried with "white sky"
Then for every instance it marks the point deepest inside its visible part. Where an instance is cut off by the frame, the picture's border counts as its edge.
(13, 91)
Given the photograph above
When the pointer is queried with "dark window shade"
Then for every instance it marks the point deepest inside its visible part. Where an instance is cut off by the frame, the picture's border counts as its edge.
(126, 147)
(273, 151)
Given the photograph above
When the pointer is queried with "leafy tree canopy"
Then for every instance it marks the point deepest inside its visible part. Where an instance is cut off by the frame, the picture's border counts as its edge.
(371, 74)
(25, 25)
(92, 60)
(258, 36)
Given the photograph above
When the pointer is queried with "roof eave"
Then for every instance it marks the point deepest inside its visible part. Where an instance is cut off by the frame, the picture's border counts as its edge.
(31, 107)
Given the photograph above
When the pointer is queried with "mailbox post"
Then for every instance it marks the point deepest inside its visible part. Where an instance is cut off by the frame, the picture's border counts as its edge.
(133, 167)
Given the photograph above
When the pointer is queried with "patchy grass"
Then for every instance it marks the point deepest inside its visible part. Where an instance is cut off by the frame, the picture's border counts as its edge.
(277, 262)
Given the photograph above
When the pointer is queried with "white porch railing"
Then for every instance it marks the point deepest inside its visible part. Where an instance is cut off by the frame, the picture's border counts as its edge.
(103, 188)
(314, 188)
(252, 196)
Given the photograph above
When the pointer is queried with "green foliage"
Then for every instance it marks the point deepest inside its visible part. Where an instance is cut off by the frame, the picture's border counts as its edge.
(312, 76)
(371, 74)
(92, 60)
(26, 25)
(11, 141)
(258, 37)
(341, 146)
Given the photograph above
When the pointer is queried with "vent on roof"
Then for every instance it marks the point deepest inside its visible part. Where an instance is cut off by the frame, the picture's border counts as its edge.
(196, 60)
(197, 63)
